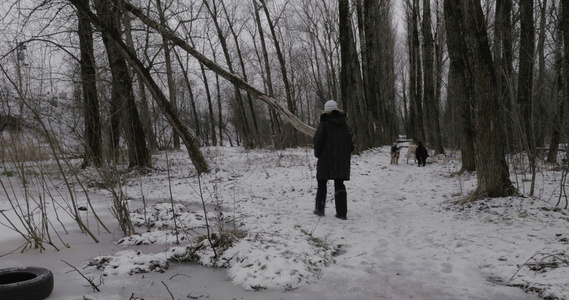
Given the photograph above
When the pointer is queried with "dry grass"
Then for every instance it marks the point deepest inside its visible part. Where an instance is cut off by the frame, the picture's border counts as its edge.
(23, 147)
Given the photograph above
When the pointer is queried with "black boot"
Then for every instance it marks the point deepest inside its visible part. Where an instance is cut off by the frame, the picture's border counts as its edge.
(341, 200)
(320, 203)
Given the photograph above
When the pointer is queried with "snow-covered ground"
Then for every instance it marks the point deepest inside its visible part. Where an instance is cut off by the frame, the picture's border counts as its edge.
(404, 239)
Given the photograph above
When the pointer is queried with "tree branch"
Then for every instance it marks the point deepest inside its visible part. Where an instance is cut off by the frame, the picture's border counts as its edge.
(171, 35)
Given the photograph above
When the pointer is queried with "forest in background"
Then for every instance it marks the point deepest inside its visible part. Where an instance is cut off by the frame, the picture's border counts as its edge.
(115, 81)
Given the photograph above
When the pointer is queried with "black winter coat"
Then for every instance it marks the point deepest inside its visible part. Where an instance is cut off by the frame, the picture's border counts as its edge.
(333, 146)
(421, 152)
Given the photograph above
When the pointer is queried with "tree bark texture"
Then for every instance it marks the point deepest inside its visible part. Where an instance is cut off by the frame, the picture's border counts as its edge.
(244, 72)
(503, 61)
(93, 136)
(282, 63)
(419, 130)
(193, 107)
(525, 84)
(351, 85)
(431, 105)
(122, 90)
(460, 88)
(564, 80)
(562, 93)
(297, 123)
(169, 72)
(525, 77)
(145, 112)
(275, 121)
(194, 152)
(557, 118)
(377, 68)
(491, 167)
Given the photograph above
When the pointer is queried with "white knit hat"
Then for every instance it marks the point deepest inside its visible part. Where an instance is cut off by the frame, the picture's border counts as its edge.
(330, 105)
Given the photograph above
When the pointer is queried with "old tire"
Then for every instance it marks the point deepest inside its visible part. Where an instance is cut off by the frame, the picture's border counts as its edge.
(25, 283)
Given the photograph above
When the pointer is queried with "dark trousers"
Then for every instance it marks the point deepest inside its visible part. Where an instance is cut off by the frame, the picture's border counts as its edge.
(340, 196)
(422, 161)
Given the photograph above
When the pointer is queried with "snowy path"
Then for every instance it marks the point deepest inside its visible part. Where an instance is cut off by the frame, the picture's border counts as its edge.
(400, 242)
(394, 244)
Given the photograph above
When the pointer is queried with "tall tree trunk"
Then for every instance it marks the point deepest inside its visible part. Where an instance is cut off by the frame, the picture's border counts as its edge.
(420, 134)
(209, 106)
(491, 167)
(460, 87)
(377, 69)
(213, 11)
(525, 84)
(565, 75)
(294, 121)
(431, 105)
(93, 136)
(541, 93)
(192, 99)
(351, 85)
(275, 121)
(169, 72)
(145, 112)
(282, 63)
(503, 61)
(122, 90)
(194, 152)
(219, 110)
(368, 104)
(440, 42)
(559, 96)
(244, 73)
(412, 107)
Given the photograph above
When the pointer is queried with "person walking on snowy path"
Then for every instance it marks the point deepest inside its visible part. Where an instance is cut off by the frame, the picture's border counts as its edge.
(421, 154)
(333, 147)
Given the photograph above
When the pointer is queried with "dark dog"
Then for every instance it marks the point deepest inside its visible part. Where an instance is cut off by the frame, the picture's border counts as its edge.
(421, 154)
(395, 154)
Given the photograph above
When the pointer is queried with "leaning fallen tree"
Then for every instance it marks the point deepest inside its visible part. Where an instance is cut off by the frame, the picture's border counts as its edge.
(167, 108)
(237, 81)
(196, 156)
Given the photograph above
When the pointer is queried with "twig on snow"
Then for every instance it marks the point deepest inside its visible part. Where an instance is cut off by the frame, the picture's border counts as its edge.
(90, 280)
(168, 290)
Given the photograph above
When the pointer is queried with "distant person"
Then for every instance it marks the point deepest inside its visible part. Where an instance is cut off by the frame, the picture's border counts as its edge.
(421, 154)
(395, 152)
(333, 147)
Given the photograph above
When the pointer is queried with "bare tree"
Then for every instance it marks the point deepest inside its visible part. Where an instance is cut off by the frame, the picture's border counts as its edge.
(221, 35)
(460, 88)
(503, 60)
(209, 100)
(194, 152)
(275, 120)
(145, 112)
(122, 91)
(282, 62)
(560, 92)
(565, 27)
(377, 46)
(93, 136)
(525, 84)
(351, 83)
(169, 70)
(321, 42)
(188, 84)
(415, 118)
(492, 170)
(431, 104)
(235, 80)
(235, 36)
